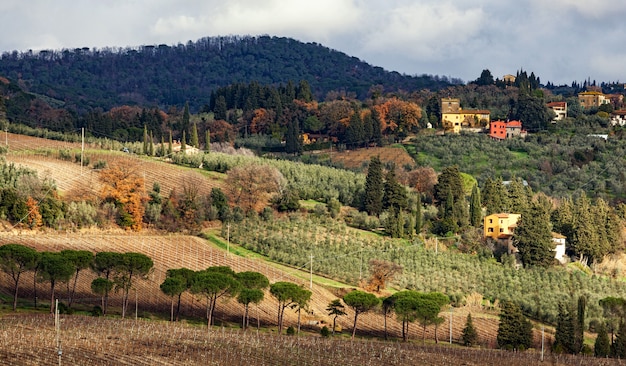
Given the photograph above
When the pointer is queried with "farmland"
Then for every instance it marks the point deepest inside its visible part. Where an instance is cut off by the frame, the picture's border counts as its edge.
(357, 159)
(30, 340)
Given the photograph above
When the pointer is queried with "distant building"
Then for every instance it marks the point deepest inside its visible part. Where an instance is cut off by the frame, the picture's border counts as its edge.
(454, 118)
(500, 130)
(560, 109)
(501, 228)
(618, 118)
(509, 79)
(591, 99)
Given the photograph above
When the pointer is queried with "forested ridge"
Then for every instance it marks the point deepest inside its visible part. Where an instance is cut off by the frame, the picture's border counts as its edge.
(164, 75)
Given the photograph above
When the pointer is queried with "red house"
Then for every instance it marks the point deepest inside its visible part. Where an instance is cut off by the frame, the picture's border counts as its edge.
(501, 130)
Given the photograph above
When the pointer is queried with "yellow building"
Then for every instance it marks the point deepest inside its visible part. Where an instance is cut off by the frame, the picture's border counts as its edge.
(500, 226)
(590, 99)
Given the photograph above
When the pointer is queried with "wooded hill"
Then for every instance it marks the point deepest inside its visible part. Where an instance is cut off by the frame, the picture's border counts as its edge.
(163, 75)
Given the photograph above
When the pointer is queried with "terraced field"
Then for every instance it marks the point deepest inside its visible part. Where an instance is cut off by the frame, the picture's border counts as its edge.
(355, 159)
(42, 156)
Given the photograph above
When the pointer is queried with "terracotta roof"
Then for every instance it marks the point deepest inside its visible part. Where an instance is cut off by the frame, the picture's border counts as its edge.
(557, 104)
(557, 236)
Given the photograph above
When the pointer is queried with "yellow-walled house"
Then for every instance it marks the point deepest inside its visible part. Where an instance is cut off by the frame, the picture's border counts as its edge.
(454, 118)
(500, 225)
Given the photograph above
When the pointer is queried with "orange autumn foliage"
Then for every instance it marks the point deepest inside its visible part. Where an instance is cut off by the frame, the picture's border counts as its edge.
(122, 184)
(396, 114)
(34, 219)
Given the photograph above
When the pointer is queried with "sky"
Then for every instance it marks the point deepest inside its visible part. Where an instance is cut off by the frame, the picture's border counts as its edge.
(559, 40)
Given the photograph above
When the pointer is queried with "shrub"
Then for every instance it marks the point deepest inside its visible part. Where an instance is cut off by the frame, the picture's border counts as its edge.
(96, 311)
(291, 330)
(325, 332)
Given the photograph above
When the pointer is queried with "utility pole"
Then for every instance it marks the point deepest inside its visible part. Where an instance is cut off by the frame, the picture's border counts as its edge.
(228, 238)
(450, 324)
(542, 339)
(311, 273)
(57, 326)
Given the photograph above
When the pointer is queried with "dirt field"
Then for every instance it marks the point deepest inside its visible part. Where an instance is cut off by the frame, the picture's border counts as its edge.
(357, 158)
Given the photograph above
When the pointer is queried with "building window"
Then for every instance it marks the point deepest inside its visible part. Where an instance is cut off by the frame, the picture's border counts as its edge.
(501, 230)
(490, 230)
(491, 221)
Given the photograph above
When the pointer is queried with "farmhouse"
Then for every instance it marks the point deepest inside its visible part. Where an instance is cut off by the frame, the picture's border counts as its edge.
(501, 228)
(454, 118)
(500, 130)
(560, 109)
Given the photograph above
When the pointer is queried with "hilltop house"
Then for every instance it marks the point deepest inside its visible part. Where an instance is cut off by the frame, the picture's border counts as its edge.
(501, 228)
(454, 118)
(618, 118)
(590, 99)
(560, 109)
(500, 130)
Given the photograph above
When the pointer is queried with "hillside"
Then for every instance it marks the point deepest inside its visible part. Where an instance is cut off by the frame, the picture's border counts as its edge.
(165, 75)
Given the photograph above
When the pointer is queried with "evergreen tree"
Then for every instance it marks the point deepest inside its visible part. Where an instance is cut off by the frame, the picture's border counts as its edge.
(450, 178)
(377, 137)
(169, 146)
(293, 140)
(207, 141)
(151, 145)
(602, 346)
(183, 143)
(469, 335)
(220, 109)
(373, 195)
(184, 126)
(519, 196)
(394, 194)
(495, 197)
(418, 215)
(304, 91)
(533, 237)
(145, 140)
(565, 333)
(476, 216)
(514, 330)
(579, 325)
(619, 345)
(162, 147)
(193, 139)
(355, 131)
(584, 240)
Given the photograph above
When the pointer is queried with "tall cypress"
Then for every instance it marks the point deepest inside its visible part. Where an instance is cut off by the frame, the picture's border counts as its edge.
(207, 141)
(602, 346)
(418, 215)
(145, 140)
(293, 140)
(533, 237)
(394, 194)
(183, 143)
(475, 207)
(169, 145)
(373, 195)
(184, 126)
(193, 139)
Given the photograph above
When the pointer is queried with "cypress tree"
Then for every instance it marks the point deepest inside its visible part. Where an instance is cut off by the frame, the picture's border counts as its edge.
(619, 345)
(169, 146)
(469, 335)
(373, 195)
(185, 121)
(475, 208)
(145, 140)
(207, 141)
(533, 237)
(564, 336)
(377, 137)
(220, 109)
(293, 140)
(151, 145)
(514, 331)
(580, 324)
(602, 346)
(518, 196)
(193, 140)
(394, 194)
(183, 143)
(162, 147)
(418, 215)
(355, 131)
(450, 178)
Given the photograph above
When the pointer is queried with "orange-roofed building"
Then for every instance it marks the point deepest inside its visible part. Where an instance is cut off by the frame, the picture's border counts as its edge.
(500, 225)
(501, 130)
(560, 109)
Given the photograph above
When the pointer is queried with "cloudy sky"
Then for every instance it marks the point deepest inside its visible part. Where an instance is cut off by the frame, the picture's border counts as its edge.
(560, 40)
